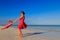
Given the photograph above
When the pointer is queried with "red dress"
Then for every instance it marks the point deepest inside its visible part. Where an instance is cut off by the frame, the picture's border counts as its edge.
(8, 25)
(22, 24)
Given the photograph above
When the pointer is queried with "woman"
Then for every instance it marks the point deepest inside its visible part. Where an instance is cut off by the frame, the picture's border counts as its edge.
(21, 24)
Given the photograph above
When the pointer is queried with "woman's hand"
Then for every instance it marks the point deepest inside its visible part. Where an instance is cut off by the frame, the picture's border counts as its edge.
(16, 20)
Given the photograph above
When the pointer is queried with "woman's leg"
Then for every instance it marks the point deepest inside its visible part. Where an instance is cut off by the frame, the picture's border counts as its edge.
(19, 33)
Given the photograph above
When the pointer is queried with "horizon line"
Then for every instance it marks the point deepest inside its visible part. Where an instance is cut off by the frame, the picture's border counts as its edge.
(36, 25)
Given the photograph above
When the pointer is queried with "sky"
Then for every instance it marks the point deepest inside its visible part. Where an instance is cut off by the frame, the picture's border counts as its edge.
(37, 12)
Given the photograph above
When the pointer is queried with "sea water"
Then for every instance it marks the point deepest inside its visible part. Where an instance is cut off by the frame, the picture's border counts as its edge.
(51, 27)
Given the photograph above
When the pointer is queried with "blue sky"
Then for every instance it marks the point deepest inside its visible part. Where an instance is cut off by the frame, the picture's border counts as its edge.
(38, 12)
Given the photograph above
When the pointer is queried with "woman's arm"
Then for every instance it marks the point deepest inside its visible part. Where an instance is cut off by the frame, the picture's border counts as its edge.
(7, 26)
(17, 19)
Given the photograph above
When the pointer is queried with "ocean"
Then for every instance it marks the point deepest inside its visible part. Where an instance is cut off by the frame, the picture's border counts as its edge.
(50, 27)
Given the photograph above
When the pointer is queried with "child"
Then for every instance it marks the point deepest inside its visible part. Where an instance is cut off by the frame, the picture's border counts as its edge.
(7, 25)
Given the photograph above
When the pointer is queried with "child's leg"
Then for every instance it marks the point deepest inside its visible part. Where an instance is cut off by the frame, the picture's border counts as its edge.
(3, 28)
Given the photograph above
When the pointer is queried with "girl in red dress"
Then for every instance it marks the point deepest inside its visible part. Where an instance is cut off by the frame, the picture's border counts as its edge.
(7, 25)
(21, 24)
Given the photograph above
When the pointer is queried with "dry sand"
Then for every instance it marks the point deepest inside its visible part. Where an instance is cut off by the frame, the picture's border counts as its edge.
(29, 34)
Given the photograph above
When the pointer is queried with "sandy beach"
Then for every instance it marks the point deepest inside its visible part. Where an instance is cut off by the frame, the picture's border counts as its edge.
(30, 34)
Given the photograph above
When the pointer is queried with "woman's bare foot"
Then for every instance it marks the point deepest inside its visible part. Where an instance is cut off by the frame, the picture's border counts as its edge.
(19, 37)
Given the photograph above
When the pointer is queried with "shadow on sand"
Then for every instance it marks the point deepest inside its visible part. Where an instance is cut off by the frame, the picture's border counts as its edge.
(30, 34)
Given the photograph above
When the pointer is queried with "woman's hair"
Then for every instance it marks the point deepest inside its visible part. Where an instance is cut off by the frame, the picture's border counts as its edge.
(23, 12)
